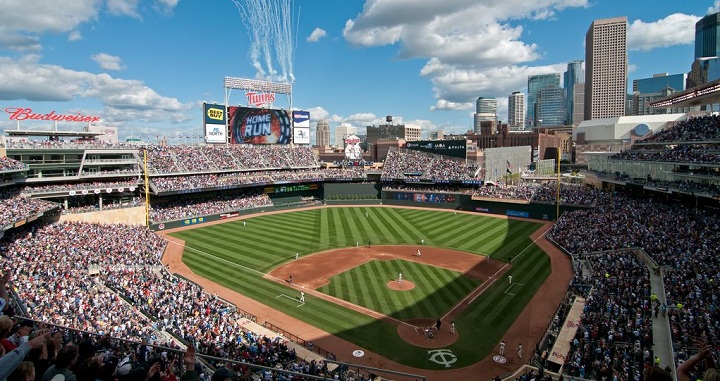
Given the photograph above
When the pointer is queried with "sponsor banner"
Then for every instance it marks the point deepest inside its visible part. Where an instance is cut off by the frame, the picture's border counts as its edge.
(301, 119)
(20, 223)
(228, 215)
(516, 213)
(455, 148)
(484, 210)
(214, 114)
(291, 188)
(258, 126)
(301, 135)
(356, 163)
(422, 197)
(193, 221)
(215, 133)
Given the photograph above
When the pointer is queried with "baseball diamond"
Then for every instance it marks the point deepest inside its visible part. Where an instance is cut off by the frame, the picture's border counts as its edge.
(347, 302)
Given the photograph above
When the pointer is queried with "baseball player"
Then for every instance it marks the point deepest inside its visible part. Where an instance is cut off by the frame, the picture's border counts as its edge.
(297, 255)
(419, 254)
(302, 296)
(400, 278)
(510, 279)
(452, 327)
(243, 223)
(502, 347)
(519, 349)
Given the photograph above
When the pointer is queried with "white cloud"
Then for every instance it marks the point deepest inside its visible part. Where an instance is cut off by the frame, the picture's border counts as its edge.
(443, 104)
(124, 8)
(675, 29)
(28, 79)
(316, 35)
(715, 8)
(74, 36)
(20, 42)
(108, 62)
(472, 47)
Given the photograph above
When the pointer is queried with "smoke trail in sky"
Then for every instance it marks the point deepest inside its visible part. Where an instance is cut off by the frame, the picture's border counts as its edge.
(269, 27)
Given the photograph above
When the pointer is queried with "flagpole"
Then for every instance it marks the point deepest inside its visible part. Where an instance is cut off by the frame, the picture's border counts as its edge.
(557, 200)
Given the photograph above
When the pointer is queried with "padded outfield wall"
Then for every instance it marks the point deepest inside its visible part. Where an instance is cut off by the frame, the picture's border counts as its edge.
(460, 201)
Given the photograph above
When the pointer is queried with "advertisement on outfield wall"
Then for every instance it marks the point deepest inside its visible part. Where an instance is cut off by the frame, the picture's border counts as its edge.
(301, 135)
(214, 120)
(259, 126)
(455, 148)
(301, 119)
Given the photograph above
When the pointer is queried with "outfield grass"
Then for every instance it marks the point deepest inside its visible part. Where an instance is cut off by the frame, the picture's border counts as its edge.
(436, 290)
(237, 257)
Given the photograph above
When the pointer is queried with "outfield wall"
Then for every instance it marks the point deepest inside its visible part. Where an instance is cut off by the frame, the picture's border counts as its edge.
(460, 201)
(338, 191)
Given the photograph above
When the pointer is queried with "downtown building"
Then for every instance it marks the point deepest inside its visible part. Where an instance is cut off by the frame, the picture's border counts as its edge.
(516, 111)
(485, 111)
(706, 66)
(574, 82)
(606, 69)
(322, 133)
(535, 84)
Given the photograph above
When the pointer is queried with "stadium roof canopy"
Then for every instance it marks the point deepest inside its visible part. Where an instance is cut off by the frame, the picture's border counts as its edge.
(80, 134)
(708, 93)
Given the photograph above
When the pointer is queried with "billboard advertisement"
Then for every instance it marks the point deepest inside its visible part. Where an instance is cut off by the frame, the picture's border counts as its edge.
(215, 133)
(259, 126)
(214, 121)
(301, 119)
(301, 135)
(455, 148)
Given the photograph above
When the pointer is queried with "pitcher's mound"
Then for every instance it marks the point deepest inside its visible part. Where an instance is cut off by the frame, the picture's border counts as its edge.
(415, 333)
(400, 286)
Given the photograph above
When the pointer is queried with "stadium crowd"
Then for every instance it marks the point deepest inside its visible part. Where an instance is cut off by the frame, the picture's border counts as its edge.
(574, 194)
(15, 207)
(132, 296)
(8, 164)
(183, 182)
(681, 240)
(179, 208)
(85, 185)
(681, 153)
(695, 129)
(411, 164)
(614, 339)
(187, 159)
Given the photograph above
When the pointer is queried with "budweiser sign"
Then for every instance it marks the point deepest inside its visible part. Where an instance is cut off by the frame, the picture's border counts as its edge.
(259, 99)
(26, 113)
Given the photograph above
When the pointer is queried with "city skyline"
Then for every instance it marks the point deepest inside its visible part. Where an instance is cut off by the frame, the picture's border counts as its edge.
(354, 61)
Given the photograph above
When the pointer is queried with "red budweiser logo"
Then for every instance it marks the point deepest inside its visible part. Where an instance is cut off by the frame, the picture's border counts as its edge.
(260, 99)
(26, 113)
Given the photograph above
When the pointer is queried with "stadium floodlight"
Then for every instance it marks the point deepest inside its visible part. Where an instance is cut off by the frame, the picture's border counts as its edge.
(257, 85)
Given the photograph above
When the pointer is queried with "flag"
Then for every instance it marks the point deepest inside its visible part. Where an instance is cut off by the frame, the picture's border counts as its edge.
(509, 167)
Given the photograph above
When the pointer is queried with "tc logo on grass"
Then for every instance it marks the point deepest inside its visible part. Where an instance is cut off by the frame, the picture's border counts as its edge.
(443, 357)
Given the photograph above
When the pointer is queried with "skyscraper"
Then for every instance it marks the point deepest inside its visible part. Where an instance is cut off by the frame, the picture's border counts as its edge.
(485, 110)
(550, 106)
(516, 111)
(322, 135)
(343, 131)
(535, 84)
(707, 43)
(575, 74)
(606, 68)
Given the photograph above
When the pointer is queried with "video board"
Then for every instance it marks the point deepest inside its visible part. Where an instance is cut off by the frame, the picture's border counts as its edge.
(259, 126)
(454, 148)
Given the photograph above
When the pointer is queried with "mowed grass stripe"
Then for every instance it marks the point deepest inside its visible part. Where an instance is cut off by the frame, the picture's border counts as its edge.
(408, 232)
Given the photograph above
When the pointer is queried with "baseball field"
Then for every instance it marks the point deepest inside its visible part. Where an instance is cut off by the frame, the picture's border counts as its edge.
(345, 280)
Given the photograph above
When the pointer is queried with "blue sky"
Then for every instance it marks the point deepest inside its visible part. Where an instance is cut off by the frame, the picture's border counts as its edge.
(147, 66)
